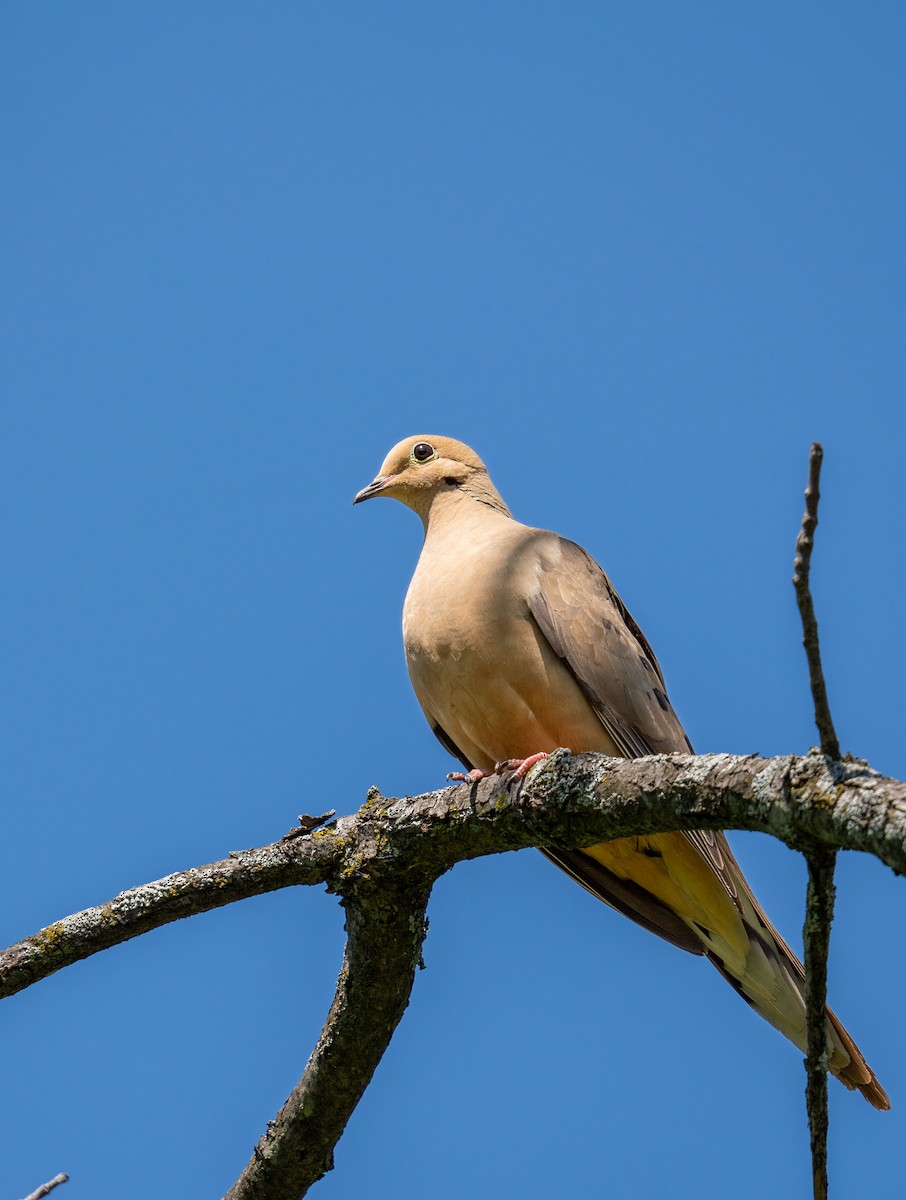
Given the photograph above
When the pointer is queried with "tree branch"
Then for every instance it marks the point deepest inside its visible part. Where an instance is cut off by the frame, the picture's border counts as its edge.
(297, 1149)
(566, 801)
(819, 905)
(386, 926)
(244, 873)
(819, 914)
(385, 858)
(801, 568)
(46, 1188)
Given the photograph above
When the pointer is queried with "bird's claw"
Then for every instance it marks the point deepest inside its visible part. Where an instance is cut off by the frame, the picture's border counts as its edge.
(474, 776)
(519, 766)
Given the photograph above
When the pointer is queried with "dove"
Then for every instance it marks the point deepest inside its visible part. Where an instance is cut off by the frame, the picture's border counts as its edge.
(516, 644)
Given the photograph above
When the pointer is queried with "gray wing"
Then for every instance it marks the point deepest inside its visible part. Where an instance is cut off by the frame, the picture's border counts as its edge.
(587, 625)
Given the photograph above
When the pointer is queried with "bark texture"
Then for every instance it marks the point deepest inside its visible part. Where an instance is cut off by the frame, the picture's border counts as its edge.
(819, 915)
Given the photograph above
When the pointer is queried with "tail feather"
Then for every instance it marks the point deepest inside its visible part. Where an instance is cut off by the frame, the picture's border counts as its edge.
(773, 982)
(689, 889)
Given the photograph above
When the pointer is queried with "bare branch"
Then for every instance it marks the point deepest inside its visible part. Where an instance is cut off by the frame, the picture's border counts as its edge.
(245, 873)
(565, 801)
(819, 910)
(46, 1188)
(801, 567)
(819, 914)
(308, 823)
(386, 928)
(384, 859)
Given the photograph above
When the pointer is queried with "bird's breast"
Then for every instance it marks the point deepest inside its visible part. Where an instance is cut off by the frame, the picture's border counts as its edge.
(480, 666)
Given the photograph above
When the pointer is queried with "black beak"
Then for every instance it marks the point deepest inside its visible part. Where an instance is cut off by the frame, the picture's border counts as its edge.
(374, 488)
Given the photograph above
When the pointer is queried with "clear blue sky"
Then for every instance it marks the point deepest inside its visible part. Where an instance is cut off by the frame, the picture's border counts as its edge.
(639, 255)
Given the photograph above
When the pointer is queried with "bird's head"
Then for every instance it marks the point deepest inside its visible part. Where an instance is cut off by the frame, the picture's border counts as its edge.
(420, 468)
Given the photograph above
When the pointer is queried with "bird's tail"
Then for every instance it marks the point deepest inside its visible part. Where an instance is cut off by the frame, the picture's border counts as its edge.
(690, 890)
(772, 981)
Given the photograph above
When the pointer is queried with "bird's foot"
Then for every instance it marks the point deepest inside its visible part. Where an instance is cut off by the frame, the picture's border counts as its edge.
(519, 766)
(474, 776)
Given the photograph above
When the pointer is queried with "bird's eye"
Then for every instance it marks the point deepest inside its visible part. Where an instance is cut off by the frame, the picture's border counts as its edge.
(422, 452)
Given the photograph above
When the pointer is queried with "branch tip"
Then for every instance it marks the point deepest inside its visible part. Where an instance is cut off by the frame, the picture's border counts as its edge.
(46, 1188)
(801, 568)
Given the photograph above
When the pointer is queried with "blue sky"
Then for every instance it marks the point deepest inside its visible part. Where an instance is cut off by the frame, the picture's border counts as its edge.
(638, 255)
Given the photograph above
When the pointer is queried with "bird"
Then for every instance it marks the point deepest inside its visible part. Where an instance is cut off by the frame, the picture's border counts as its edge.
(516, 644)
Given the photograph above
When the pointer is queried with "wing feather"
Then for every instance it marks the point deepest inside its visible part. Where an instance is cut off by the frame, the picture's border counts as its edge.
(588, 626)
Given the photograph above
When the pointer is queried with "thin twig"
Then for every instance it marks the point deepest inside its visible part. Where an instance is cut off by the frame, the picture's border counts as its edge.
(819, 904)
(801, 564)
(819, 913)
(46, 1188)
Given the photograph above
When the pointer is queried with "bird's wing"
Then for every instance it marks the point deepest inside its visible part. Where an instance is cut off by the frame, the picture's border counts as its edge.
(447, 742)
(687, 887)
(587, 625)
(579, 612)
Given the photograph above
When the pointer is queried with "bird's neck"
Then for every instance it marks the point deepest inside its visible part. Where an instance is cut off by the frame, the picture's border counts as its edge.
(471, 501)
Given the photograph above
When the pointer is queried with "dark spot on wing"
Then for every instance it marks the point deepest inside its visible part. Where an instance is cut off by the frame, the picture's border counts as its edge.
(731, 980)
(627, 897)
(661, 699)
(626, 615)
(763, 939)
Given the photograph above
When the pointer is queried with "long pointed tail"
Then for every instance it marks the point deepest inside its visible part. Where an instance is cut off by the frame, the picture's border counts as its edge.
(772, 981)
(689, 889)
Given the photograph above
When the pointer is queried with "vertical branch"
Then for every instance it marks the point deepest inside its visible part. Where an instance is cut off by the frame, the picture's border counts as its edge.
(801, 566)
(819, 913)
(819, 904)
(385, 930)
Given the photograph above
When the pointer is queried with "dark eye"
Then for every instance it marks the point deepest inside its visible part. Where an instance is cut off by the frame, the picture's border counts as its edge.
(421, 451)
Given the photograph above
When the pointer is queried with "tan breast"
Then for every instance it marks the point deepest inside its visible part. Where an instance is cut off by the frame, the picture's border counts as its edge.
(480, 667)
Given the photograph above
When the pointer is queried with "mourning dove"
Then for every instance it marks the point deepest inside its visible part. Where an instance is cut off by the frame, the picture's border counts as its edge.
(517, 643)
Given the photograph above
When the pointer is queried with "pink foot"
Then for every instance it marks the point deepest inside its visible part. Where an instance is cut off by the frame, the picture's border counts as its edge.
(519, 766)
(474, 776)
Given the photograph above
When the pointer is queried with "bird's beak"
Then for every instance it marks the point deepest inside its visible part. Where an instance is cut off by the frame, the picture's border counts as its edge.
(374, 488)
